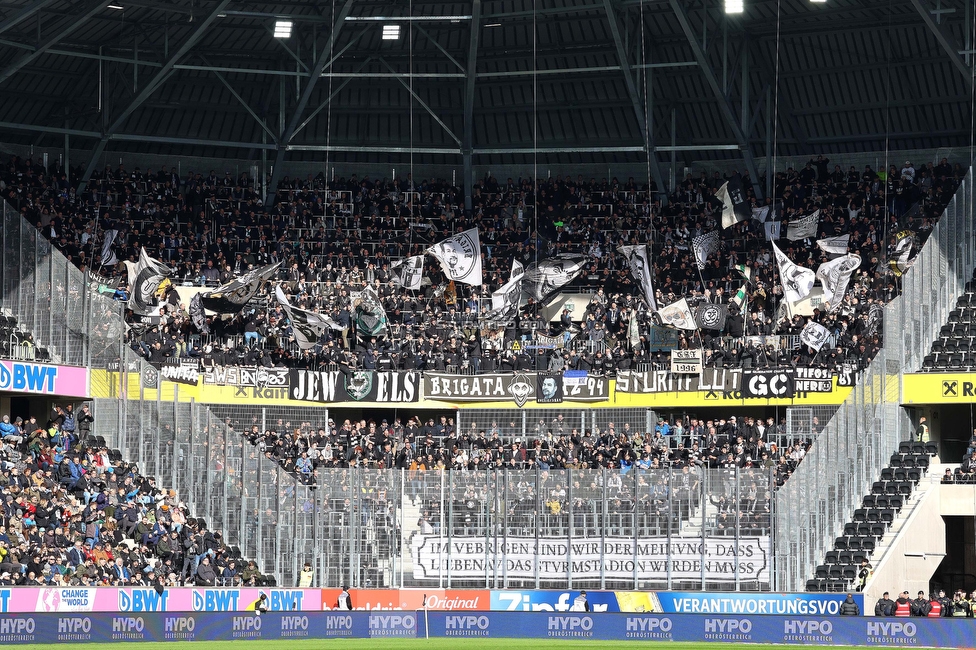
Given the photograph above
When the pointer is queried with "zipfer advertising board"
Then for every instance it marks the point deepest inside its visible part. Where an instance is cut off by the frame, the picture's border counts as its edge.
(694, 628)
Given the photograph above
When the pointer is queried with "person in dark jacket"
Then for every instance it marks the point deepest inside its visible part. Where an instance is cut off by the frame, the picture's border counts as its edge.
(206, 576)
(849, 607)
(920, 606)
(885, 606)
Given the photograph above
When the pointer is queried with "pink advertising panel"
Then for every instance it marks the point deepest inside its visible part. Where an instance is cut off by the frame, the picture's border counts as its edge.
(43, 379)
(139, 599)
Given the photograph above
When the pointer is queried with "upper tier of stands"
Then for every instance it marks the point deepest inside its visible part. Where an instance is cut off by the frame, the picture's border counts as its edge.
(336, 236)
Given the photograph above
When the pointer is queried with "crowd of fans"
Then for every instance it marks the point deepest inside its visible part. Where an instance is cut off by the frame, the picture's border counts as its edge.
(333, 238)
(935, 605)
(651, 482)
(74, 513)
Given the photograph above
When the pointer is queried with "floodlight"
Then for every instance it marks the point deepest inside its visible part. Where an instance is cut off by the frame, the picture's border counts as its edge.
(734, 6)
(391, 32)
(282, 29)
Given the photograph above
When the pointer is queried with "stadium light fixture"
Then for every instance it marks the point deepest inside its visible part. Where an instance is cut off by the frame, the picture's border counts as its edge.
(819, 2)
(117, 6)
(734, 6)
(391, 32)
(282, 29)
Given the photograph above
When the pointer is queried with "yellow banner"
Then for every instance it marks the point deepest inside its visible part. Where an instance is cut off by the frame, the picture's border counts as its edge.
(105, 384)
(940, 388)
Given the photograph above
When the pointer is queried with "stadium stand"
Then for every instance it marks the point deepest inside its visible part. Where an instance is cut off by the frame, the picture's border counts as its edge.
(211, 228)
(75, 513)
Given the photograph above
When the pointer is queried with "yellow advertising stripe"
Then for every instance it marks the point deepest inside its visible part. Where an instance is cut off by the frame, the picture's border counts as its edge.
(105, 384)
(940, 388)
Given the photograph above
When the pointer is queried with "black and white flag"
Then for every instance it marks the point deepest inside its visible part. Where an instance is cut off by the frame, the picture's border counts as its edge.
(230, 297)
(734, 205)
(197, 314)
(108, 257)
(834, 245)
(803, 227)
(306, 326)
(814, 335)
(144, 278)
(408, 272)
(640, 267)
(542, 278)
(768, 212)
(835, 275)
(505, 300)
(460, 257)
(899, 262)
(797, 281)
(704, 246)
(773, 230)
(679, 315)
(711, 317)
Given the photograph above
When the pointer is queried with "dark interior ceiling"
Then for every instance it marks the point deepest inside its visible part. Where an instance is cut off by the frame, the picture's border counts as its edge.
(564, 77)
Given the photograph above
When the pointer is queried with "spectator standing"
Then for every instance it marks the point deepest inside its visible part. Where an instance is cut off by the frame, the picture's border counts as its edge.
(885, 606)
(920, 606)
(849, 607)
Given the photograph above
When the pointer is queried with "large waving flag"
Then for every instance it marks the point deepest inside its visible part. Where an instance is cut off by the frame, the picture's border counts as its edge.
(460, 257)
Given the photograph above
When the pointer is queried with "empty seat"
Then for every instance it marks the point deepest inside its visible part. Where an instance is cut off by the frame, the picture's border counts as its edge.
(874, 515)
(832, 557)
(918, 449)
(869, 500)
(931, 448)
(888, 474)
(914, 475)
(816, 585)
(900, 474)
(842, 543)
(850, 529)
(822, 571)
(904, 487)
(896, 502)
(835, 572)
(877, 530)
(896, 460)
(844, 557)
(849, 573)
(864, 529)
(891, 487)
(904, 447)
(861, 514)
(878, 487)
(867, 543)
(922, 462)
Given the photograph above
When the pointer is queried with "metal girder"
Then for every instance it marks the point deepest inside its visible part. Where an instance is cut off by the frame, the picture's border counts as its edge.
(333, 95)
(150, 88)
(726, 110)
(246, 106)
(589, 70)
(467, 145)
(635, 97)
(25, 13)
(946, 41)
(90, 10)
(440, 47)
(292, 125)
(424, 104)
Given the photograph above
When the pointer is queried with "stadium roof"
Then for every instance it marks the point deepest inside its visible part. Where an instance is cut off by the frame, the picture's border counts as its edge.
(208, 77)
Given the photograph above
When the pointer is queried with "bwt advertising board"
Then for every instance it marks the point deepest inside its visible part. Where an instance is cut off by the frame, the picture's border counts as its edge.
(694, 628)
(43, 379)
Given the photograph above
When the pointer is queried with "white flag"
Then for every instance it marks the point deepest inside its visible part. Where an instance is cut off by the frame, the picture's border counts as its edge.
(814, 335)
(797, 281)
(460, 257)
(518, 270)
(306, 326)
(834, 245)
(835, 276)
(408, 272)
(703, 246)
(773, 230)
(804, 227)
(506, 298)
(144, 278)
(542, 279)
(679, 315)
(734, 206)
(640, 268)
